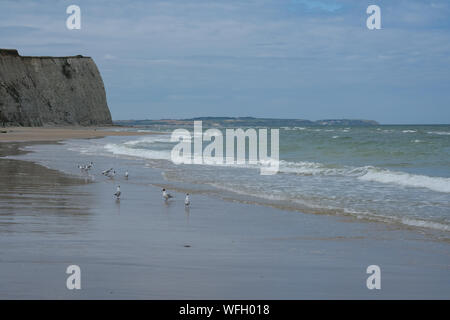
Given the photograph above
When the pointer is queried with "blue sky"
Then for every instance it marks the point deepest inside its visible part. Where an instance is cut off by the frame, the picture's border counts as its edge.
(267, 58)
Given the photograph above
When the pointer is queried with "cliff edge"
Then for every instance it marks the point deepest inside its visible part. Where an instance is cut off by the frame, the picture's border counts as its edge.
(38, 91)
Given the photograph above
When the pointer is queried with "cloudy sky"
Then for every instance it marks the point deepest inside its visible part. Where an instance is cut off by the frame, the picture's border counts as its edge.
(264, 58)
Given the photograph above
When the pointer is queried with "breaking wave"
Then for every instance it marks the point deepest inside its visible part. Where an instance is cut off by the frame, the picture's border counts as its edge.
(139, 148)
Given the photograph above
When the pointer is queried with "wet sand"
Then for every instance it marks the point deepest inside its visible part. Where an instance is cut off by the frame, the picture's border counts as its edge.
(143, 248)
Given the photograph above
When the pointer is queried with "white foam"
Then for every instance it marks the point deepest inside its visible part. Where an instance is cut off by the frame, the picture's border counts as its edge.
(139, 153)
(425, 224)
(369, 173)
(305, 204)
(316, 168)
(441, 133)
(149, 140)
(439, 184)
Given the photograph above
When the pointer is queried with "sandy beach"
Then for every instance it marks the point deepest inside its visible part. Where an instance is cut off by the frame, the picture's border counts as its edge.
(27, 134)
(143, 248)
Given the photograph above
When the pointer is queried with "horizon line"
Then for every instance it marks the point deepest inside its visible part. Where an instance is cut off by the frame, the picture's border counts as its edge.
(379, 123)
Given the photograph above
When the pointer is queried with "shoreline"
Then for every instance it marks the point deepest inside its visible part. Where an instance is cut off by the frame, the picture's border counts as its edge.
(433, 234)
(46, 134)
(61, 134)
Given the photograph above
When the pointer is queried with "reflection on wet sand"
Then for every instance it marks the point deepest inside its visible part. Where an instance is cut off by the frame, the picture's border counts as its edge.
(37, 199)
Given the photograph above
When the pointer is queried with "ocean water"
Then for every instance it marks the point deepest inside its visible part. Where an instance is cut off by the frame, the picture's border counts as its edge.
(391, 174)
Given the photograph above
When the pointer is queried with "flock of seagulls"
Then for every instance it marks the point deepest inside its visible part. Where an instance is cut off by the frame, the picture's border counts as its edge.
(86, 167)
(110, 173)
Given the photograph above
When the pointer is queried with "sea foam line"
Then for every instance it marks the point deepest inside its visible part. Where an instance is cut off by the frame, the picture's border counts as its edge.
(309, 207)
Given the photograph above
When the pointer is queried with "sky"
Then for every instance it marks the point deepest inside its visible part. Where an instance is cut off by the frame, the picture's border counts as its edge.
(300, 59)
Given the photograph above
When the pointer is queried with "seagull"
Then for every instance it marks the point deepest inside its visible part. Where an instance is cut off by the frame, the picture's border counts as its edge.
(82, 168)
(86, 167)
(111, 174)
(187, 201)
(166, 195)
(106, 172)
(126, 174)
(118, 193)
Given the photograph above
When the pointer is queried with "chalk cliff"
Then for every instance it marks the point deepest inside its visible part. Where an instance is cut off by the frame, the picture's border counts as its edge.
(38, 91)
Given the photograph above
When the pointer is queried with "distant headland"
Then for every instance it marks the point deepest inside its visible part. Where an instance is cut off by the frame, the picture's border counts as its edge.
(248, 121)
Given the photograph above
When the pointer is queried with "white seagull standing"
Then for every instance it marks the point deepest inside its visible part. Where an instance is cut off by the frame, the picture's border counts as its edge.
(118, 193)
(126, 174)
(166, 195)
(187, 201)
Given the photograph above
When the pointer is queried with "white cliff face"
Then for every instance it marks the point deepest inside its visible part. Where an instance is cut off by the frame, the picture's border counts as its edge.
(38, 91)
